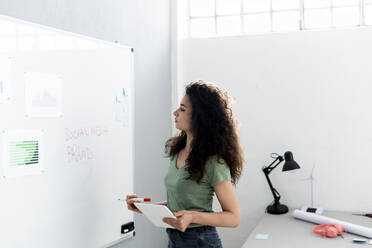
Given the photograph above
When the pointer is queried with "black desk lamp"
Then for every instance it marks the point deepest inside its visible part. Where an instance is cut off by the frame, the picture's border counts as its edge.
(290, 164)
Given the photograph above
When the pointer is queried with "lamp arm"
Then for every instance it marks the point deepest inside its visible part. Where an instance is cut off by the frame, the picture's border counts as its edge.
(273, 190)
(267, 171)
(271, 166)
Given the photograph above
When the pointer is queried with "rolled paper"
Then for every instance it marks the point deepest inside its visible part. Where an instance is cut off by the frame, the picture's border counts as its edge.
(320, 219)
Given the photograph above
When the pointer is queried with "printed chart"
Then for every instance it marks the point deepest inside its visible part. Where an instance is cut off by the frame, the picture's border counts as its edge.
(122, 113)
(43, 95)
(22, 152)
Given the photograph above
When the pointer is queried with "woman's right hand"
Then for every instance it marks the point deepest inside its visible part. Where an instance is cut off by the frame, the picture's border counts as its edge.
(130, 204)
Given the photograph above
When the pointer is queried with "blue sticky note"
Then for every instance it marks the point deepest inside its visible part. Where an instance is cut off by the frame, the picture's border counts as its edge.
(359, 240)
(119, 116)
(262, 236)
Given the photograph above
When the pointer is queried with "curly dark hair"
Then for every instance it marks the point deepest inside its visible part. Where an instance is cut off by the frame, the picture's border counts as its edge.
(214, 132)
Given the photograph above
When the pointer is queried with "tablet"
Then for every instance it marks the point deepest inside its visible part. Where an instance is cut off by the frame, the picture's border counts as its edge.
(155, 213)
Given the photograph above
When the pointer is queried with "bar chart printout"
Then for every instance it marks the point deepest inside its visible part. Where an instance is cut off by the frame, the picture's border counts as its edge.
(22, 152)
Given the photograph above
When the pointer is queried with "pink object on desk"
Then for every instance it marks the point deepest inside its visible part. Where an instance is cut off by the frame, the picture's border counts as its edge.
(328, 230)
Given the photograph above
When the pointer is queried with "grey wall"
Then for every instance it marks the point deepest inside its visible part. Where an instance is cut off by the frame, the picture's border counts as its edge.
(144, 25)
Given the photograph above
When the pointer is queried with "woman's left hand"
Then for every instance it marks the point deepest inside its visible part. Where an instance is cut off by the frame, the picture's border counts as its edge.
(184, 218)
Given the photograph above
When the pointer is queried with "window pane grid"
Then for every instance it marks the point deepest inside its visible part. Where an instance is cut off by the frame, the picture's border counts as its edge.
(239, 17)
(368, 13)
(332, 7)
(335, 16)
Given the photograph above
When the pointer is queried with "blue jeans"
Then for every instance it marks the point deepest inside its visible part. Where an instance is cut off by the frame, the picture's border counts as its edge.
(196, 237)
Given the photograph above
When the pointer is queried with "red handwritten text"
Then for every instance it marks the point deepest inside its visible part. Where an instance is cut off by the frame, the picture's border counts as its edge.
(73, 134)
(75, 153)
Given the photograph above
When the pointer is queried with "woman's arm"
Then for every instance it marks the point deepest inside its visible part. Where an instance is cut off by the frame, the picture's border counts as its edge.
(229, 217)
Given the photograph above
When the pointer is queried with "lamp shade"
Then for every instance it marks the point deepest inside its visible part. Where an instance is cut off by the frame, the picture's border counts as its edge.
(289, 163)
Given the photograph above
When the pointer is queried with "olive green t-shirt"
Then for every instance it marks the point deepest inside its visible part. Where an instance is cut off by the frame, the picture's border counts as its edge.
(186, 194)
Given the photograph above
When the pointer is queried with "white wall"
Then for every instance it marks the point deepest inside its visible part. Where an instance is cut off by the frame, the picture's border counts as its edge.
(308, 92)
(144, 25)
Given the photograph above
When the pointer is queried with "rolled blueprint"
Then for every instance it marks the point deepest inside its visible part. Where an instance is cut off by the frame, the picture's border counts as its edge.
(319, 219)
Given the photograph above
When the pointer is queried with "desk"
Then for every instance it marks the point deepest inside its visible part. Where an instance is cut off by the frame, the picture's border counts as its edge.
(286, 231)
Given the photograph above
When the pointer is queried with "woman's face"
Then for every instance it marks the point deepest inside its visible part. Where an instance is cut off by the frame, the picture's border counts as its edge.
(183, 115)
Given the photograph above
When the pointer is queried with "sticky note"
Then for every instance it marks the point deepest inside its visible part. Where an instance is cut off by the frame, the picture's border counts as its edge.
(119, 116)
(359, 240)
(262, 236)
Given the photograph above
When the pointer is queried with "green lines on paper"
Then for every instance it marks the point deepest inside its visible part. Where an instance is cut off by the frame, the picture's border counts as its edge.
(23, 153)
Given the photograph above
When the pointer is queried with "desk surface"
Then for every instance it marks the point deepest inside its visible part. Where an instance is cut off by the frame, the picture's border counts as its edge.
(286, 231)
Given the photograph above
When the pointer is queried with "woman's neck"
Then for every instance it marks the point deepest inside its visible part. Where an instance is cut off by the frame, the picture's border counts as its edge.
(188, 142)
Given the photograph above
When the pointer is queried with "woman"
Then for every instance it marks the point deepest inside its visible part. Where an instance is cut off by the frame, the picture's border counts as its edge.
(206, 158)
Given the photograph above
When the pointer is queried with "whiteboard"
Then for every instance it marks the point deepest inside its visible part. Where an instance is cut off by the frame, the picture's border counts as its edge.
(66, 137)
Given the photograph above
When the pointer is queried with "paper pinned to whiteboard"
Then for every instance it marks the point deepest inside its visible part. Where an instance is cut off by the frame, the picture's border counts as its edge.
(22, 152)
(5, 78)
(43, 95)
(122, 113)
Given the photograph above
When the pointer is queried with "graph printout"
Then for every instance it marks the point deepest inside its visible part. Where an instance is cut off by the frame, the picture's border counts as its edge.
(123, 107)
(43, 95)
(22, 150)
(5, 70)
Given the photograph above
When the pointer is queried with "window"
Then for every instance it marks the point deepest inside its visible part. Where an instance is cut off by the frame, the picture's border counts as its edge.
(368, 12)
(236, 17)
(331, 13)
